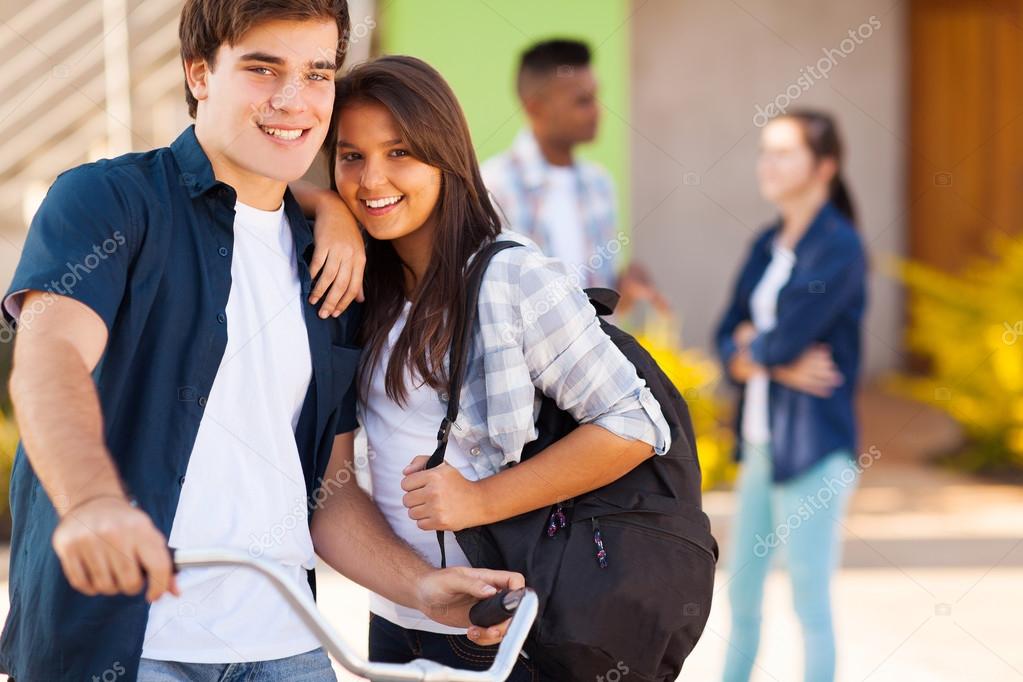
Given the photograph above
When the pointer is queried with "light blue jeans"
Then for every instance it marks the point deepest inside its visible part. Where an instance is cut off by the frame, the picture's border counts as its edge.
(312, 666)
(803, 516)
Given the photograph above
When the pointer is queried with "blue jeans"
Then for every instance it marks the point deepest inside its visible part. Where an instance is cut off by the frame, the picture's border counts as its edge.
(802, 515)
(312, 666)
(391, 643)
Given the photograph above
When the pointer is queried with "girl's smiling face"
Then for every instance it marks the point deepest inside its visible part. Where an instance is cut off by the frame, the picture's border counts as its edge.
(786, 166)
(390, 192)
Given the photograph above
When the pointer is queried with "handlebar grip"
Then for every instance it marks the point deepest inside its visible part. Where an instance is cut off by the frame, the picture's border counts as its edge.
(497, 609)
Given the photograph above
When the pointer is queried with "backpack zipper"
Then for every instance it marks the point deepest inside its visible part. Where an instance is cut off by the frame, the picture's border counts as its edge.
(557, 521)
(661, 532)
(598, 540)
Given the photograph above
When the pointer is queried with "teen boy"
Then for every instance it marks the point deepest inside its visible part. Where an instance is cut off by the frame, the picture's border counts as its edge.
(173, 382)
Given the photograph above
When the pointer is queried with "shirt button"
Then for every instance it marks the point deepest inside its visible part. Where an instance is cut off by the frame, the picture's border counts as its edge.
(475, 451)
(221, 318)
(181, 481)
(202, 401)
(222, 251)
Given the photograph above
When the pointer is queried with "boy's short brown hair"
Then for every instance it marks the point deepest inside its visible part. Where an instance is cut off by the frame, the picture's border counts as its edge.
(208, 24)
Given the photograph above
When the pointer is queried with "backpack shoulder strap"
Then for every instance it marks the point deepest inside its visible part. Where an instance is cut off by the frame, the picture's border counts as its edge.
(462, 342)
(459, 355)
(603, 300)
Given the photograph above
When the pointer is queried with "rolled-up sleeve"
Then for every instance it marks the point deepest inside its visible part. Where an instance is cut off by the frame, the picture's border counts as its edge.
(572, 360)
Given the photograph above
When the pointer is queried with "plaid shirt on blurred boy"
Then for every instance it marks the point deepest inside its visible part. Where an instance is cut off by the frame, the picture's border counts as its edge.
(517, 180)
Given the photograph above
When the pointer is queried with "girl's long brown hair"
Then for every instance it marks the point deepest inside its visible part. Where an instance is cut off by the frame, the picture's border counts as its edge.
(433, 126)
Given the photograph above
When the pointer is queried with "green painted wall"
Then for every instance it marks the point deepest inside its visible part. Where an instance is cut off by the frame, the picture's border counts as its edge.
(475, 44)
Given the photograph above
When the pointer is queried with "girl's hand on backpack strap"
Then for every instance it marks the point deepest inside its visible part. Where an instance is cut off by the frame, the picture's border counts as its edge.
(440, 498)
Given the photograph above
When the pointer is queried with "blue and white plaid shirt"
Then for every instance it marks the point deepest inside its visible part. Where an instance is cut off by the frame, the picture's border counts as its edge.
(536, 335)
(517, 179)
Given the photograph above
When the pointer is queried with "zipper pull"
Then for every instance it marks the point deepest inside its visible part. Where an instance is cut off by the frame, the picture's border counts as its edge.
(556, 522)
(599, 542)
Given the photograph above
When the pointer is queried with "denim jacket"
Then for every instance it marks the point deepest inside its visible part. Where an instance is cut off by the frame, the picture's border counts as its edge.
(823, 302)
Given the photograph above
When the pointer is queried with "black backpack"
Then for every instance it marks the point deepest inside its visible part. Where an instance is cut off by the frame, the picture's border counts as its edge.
(625, 573)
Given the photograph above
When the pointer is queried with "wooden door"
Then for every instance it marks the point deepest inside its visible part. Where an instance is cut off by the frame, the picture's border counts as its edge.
(966, 127)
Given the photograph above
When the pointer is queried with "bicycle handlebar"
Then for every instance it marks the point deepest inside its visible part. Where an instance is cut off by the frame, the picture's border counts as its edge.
(419, 670)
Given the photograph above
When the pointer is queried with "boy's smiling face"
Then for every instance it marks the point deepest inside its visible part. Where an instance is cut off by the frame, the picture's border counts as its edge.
(265, 104)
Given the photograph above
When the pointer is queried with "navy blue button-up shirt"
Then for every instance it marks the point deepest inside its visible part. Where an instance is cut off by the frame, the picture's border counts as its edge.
(145, 240)
(823, 302)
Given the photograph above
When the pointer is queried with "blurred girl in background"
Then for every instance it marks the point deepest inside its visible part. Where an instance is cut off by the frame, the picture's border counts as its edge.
(790, 339)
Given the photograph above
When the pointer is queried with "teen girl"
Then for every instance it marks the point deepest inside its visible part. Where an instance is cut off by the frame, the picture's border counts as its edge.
(791, 339)
(403, 163)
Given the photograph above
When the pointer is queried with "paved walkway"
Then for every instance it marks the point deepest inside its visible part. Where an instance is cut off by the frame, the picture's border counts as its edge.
(931, 586)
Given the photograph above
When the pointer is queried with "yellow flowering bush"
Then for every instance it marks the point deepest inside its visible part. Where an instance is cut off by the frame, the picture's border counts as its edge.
(695, 376)
(969, 328)
(8, 445)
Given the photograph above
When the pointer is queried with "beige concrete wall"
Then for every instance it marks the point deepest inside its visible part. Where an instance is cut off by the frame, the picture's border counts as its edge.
(700, 70)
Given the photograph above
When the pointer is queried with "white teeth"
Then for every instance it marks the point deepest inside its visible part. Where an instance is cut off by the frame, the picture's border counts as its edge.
(283, 134)
(380, 203)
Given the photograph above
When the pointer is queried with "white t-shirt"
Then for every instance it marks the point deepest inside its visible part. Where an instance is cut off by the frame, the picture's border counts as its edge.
(560, 213)
(756, 426)
(394, 435)
(244, 487)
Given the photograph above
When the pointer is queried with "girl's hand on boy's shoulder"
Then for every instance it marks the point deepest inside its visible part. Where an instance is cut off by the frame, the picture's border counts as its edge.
(339, 257)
